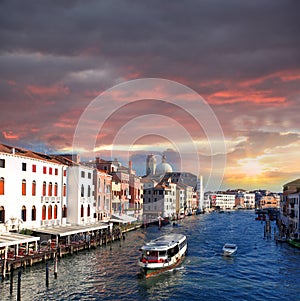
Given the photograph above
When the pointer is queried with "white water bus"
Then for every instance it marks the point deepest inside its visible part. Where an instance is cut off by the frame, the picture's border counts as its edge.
(163, 253)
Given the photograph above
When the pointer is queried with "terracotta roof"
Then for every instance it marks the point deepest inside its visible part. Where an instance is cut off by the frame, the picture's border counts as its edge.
(27, 153)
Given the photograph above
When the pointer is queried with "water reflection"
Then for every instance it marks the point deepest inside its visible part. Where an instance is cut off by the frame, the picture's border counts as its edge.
(262, 269)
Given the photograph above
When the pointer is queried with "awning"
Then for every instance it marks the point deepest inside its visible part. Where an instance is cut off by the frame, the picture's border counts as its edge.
(71, 229)
(123, 218)
(11, 239)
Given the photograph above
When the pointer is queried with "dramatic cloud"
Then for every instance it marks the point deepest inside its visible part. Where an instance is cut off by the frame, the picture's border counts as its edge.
(243, 57)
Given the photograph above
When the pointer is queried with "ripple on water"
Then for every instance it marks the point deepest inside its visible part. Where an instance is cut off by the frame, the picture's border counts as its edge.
(262, 269)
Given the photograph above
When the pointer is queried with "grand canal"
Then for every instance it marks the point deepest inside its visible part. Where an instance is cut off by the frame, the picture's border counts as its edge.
(262, 269)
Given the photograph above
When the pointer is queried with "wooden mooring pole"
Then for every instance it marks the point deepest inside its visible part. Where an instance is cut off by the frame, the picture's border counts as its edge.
(47, 275)
(55, 266)
(11, 279)
(19, 286)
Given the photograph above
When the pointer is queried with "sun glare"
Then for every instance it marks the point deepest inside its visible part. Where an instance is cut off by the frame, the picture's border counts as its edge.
(251, 167)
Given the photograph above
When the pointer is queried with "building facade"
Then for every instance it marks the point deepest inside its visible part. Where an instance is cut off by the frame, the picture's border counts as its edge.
(33, 189)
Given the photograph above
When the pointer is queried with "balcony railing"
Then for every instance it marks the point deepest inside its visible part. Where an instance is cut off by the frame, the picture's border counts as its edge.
(50, 199)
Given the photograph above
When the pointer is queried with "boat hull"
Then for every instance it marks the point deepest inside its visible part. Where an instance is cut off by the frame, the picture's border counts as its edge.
(152, 271)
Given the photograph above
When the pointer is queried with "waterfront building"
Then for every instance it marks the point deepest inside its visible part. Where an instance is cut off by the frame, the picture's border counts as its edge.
(32, 189)
(80, 192)
(289, 209)
(103, 194)
(180, 201)
(245, 200)
(126, 187)
(269, 201)
(160, 201)
(222, 201)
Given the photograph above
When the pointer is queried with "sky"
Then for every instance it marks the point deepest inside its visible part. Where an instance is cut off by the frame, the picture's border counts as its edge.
(214, 85)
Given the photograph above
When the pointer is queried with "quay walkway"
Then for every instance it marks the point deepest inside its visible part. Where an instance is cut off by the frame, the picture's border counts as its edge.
(17, 250)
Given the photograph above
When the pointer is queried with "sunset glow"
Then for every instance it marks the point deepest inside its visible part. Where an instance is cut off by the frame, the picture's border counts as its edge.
(238, 59)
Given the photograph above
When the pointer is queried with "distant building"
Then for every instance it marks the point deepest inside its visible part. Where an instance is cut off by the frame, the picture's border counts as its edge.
(222, 201)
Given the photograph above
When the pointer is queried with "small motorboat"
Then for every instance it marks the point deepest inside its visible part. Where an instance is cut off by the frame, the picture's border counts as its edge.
(229, 249)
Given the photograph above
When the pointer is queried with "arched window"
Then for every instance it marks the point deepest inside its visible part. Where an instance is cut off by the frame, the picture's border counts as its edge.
(43, 212)
(88, 210)
(33, 213)
(44, 188)
(50, 189)
(81, 211)
(65, 190)
(64, 211)
(23, 214)
(23, 187)
(82, 191)
(55, 211)
(2, 186)
(33, 188)
(50, 212)
(2, 214)
(89, 191)
(55, 189)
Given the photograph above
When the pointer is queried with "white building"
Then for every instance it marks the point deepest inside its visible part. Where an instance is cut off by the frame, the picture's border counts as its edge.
(222, 201)
(80, 194)
(32, 189)
(159, 200)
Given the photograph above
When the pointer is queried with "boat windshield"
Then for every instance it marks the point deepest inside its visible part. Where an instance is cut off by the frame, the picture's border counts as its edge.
(151, 255)
(230, 246)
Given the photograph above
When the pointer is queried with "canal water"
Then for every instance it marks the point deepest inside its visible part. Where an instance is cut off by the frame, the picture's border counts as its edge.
(262, 269)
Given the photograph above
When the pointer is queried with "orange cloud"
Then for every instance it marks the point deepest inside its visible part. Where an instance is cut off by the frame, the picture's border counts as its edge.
(49, 91)
(9, 135)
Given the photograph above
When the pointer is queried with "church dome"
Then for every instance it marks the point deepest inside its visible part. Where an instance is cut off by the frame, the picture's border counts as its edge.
(163, 167)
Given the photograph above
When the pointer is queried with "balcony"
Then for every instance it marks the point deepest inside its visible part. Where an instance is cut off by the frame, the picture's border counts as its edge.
(50, 199)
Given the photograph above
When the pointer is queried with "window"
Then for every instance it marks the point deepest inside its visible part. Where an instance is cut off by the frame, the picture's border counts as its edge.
(44, 188)
(50, 170)
(65, 190)
(24, 166)
(33, 168)
(65, 172)
(50, 189)
(89, 190)
(2, 186)
(82, 191)
(81, 211)
(2, 163)
(82, 174)
(33, 188)
(50, 212)
(2, 214)
(55, 212)
(23, 214)
(23, 187)
(43, 212)
(33, 213)
(88, 210)
(89, 175)
(44, 169)
(55, 189)
(64, 211)
(56, 171)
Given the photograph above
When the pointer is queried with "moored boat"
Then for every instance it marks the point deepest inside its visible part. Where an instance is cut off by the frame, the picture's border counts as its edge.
(229, 249)
(295, 242)
(163, 253)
